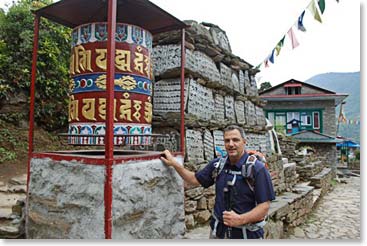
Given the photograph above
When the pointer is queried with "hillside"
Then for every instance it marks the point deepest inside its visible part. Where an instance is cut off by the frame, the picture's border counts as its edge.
(343, 83)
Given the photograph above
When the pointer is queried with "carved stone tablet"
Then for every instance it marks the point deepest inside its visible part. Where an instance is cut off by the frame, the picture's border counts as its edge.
(226, 76)
(194, 146)
(235, 81)
(201, 101)
(219, 107)
(208, 145)
(229, 108)
(241, 81)
(166, 97)
(240, 112)
(218, 143)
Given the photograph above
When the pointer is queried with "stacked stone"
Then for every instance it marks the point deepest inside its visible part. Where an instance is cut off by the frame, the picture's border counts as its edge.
(322, 180)
(288, 146)
(220, 89)
(309, 169)
(290, 175)
(276, 170)
(12, 197)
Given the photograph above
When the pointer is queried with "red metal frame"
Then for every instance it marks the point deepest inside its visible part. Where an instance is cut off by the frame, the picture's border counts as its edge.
(182, 95)
(109, 159)
(32, 95)
(111, 46)
(99, 161)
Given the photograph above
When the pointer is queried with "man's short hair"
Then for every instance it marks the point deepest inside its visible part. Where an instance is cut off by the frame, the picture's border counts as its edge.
(235, 127)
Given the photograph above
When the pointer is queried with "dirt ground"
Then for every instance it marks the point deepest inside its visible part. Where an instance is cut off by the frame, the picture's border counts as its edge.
(15, 141)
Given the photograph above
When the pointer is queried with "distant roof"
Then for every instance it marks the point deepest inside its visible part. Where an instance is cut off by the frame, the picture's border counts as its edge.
(348, 143)
(314, 137)
(143, 13)
(296, 83)
(324, 95)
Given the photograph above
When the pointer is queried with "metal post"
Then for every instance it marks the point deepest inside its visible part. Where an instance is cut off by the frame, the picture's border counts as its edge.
(110, 93)
(32, 95)
(182, 95)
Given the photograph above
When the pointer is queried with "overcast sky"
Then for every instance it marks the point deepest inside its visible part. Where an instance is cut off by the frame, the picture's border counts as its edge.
(254, 27)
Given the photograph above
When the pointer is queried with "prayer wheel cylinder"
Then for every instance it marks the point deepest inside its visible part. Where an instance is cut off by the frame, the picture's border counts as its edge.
(132, 85)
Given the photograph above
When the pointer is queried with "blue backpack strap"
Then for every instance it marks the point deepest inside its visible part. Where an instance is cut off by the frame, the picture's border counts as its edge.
(218, 167)
(248, 171)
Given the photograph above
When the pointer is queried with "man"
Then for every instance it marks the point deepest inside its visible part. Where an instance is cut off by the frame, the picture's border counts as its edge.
(251, 198)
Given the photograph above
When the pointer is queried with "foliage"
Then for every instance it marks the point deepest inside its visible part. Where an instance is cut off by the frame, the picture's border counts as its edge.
(358, 154)
(16, 47)
(7, 152)
(264, 86)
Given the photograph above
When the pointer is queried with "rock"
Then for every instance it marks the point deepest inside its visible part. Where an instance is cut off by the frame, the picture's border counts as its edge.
(19, 180)
(5, 213)
(189, 221)
(202, 216)
(299, 233)
(9, 231)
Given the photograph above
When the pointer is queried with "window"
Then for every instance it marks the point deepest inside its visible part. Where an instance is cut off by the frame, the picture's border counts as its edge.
(306, 119)
(316, 120)
(293, 90)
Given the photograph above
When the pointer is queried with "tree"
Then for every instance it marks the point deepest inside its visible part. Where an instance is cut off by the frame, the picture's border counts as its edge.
(264, 86)
(16, 46)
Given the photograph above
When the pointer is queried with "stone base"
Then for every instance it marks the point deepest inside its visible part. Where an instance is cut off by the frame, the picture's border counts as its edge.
(66, 200)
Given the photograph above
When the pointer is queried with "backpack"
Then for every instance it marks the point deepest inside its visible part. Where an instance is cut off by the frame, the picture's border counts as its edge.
(247, 169)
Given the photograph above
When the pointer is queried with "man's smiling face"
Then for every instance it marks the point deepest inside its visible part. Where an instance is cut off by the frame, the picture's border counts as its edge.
(234, 144)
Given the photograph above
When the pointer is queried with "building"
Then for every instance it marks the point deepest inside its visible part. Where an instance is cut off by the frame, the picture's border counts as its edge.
(306, 112)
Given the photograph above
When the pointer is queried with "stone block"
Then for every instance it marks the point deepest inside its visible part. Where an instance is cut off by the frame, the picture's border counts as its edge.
(208, 145)
(194, 146)
(240, 112)
(229, 109)
(219, 107)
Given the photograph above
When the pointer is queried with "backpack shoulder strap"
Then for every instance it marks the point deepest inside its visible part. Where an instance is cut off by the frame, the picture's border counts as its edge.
(218, 166)
(248, 171)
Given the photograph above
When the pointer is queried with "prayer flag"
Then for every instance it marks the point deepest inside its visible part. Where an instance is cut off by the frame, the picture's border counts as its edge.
(293, 38)
(271, 59)
(300, 22)
(313, 8)
(321, 5)
(279, 46)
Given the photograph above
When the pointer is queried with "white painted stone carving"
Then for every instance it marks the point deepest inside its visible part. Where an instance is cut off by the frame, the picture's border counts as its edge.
(166, 96)
(229, 108)
(235, 81)
(241, 81)
(218, 142)
(226, 76)
(240, 112)
(194, 146)
(201, 101)
(208, 145)
(219, 107)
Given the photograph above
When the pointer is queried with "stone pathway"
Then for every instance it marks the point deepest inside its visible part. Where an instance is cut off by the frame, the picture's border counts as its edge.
(12, 199)
(336, 216)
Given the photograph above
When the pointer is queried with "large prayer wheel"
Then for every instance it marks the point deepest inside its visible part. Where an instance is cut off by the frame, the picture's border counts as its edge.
(132, 85)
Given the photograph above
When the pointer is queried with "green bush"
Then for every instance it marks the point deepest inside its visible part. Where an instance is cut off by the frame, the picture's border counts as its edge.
(16, 47)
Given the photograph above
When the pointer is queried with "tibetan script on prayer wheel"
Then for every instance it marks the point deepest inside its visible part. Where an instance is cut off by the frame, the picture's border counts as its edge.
(132, 85)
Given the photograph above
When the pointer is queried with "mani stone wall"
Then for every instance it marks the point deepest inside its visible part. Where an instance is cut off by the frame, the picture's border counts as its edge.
(66, 201)
(220, 89)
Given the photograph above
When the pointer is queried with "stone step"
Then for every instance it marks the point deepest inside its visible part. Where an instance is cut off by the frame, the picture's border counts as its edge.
(10, 199)
(316, 195)
(5, 213)
(10, 231)
(19, 180)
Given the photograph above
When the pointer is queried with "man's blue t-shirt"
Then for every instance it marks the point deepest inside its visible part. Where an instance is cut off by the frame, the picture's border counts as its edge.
(244, 199)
